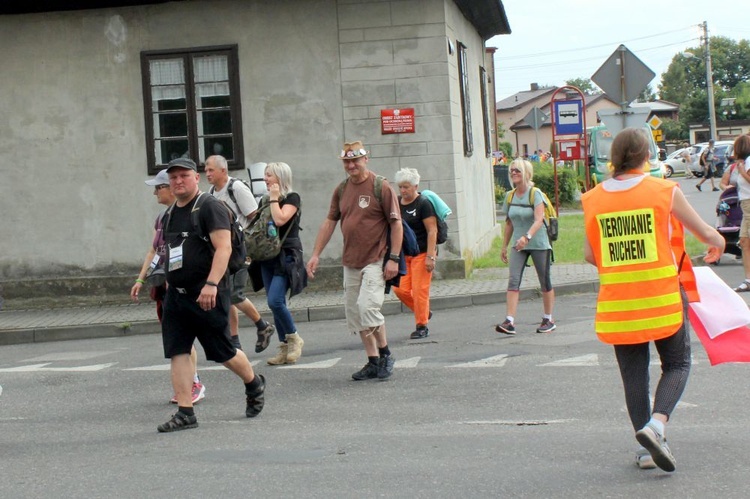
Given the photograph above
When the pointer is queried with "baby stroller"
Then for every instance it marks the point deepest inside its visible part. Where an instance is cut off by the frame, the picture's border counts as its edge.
(729, 219)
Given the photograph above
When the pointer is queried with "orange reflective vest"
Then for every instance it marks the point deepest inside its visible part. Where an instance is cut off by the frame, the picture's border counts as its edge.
(638, 247)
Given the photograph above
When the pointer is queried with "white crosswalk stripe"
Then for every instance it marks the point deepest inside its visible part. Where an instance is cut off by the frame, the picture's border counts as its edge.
(494, 361)
(591, 359)
(42, 367)
(409, 363)
(323, 364)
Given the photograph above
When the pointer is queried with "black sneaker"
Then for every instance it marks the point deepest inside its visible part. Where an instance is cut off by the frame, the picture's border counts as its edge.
(179, 421)
(506, 327)
(698, 187)
(257, 399)
(419, 333)
(715, 189)
(547, 326)
(264, 337)
(370, 371)
(385, 367)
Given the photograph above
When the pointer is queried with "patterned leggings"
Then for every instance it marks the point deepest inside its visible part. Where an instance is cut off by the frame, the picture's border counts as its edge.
(674, 352)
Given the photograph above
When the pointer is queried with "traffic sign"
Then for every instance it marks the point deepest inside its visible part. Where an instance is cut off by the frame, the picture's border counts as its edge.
(615, 120)
(536, 118)
(658, 135)
(568, 117)
(623, 76)
(654, 122)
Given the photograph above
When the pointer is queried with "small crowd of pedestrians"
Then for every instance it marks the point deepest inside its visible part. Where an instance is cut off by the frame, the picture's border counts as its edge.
(646, 279)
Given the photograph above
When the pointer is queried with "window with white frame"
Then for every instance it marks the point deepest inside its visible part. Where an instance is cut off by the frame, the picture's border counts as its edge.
(192, 105)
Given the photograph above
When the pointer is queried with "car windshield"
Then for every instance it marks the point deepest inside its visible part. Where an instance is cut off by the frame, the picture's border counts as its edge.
(604, 144)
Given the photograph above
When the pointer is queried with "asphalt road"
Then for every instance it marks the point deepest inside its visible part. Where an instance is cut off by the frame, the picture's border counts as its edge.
(468, 413)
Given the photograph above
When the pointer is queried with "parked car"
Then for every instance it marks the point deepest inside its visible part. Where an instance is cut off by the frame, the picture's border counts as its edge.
(677, 161)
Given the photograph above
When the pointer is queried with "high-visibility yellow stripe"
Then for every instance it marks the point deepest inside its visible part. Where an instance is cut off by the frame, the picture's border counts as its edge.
(639, 303)
(638, 275)
(638, 324)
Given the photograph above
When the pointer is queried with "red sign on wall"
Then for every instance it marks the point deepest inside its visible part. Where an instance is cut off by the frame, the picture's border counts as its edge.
(397, 121)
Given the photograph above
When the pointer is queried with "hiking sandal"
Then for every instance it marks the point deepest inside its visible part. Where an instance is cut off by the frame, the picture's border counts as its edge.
(745, 286)
(264, 337)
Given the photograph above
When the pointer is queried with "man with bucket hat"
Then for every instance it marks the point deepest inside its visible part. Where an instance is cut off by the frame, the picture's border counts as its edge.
(368, 210)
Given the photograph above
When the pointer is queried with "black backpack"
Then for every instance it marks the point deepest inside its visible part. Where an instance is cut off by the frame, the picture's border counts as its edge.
(238, 256)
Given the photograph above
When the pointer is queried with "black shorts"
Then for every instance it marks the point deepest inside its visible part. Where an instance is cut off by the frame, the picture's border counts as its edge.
(238, 282)
(184, 321)
(709, 173)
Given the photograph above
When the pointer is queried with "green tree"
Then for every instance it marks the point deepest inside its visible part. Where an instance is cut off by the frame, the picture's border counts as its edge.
(684, 82)
(585, 85)
(647, 95)
(674, 130)
(500, 130)
(686, 75)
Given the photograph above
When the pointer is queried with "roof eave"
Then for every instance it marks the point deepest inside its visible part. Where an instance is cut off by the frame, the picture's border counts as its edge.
(487, 16)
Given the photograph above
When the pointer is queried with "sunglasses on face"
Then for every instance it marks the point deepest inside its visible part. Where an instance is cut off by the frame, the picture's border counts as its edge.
(160, 187)
(515, 170)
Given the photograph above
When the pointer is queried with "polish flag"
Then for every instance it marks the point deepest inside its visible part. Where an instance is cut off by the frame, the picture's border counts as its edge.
(720, 319)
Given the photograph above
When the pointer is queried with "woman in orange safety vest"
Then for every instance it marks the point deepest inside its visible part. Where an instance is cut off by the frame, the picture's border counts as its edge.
(634, 236)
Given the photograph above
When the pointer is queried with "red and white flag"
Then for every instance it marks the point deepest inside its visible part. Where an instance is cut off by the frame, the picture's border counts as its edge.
(720, 319)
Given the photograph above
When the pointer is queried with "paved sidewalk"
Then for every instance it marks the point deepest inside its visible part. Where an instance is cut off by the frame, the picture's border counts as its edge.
(484, 287)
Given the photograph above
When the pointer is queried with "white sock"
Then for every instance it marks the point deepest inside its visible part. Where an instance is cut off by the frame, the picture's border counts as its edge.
(510, 318)
(547, 316)
(657, 424)
(196, 379)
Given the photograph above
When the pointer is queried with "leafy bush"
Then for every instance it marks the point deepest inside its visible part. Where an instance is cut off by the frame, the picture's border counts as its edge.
(566, 178)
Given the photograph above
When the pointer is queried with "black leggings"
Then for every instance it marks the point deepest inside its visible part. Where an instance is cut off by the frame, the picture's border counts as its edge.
(674, 352)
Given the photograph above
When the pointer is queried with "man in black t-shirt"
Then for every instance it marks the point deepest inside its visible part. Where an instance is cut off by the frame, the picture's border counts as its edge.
(197, 300)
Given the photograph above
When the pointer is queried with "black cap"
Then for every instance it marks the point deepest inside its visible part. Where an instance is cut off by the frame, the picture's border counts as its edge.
(185, 163)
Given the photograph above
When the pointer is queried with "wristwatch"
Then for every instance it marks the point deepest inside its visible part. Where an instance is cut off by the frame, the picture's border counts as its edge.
(527, 236)
(394, 257)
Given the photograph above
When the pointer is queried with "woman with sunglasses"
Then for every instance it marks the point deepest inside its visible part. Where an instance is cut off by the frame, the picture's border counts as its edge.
(524, 226)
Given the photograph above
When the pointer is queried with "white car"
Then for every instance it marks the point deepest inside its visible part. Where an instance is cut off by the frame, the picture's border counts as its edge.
(688, 159)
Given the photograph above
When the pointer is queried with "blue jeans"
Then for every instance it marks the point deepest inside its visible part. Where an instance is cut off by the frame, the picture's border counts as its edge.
(276, 287)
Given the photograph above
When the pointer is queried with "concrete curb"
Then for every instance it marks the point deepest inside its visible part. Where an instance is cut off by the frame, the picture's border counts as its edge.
(307, 314)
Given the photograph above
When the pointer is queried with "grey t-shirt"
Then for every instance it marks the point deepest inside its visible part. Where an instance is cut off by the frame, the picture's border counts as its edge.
(246, 203)
(521, 214)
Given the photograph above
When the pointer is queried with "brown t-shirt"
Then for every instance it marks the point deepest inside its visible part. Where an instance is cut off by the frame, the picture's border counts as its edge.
(364, 221)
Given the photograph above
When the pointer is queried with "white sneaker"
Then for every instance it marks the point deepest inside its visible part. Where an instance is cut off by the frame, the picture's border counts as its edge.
(656, 445)
(644, 460)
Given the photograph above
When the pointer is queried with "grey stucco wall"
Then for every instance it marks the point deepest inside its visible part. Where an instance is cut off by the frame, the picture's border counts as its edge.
(312, 74)
(72, 140)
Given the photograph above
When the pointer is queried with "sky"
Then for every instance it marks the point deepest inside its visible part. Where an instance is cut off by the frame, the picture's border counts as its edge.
(552, 41)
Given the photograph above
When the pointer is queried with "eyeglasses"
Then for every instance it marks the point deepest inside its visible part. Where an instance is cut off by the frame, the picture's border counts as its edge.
(515, 170)
(160, 187)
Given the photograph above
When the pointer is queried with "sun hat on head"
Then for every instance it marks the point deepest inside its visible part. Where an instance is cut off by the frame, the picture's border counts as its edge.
(353, 150)
(161, 178)
(185, 163)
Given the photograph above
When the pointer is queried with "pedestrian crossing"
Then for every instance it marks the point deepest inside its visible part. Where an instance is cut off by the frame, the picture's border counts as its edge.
(494, 361)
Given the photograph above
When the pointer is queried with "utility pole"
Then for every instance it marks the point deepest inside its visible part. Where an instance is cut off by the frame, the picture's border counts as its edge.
(709, 82)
